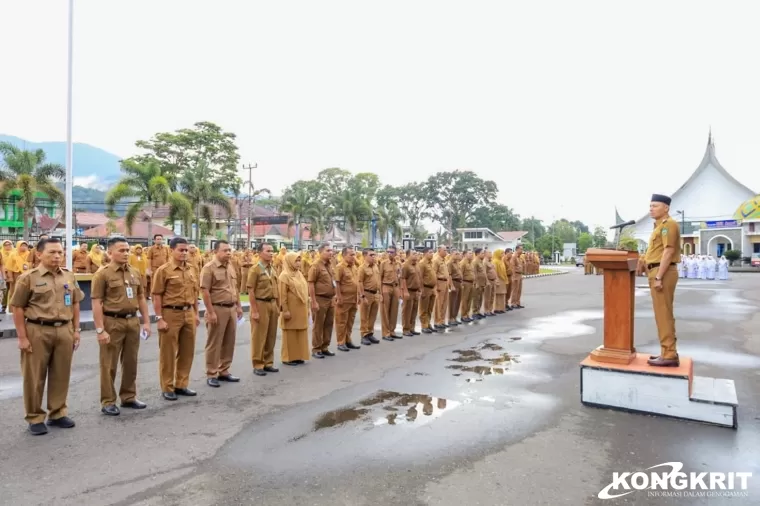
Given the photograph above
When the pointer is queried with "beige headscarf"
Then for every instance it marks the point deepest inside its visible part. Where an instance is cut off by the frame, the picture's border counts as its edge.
(293, 277)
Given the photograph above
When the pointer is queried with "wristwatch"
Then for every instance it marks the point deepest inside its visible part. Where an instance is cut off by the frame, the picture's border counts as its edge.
(98, 331)
(159, 318)
(657, 279)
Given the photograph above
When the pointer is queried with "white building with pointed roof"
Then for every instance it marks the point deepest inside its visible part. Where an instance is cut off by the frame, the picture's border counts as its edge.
(704, 206)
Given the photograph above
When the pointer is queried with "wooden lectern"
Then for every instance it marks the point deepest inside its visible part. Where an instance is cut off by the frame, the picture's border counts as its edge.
(619, 284)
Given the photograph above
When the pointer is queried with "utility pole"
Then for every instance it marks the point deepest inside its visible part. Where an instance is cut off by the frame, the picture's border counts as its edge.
(250, 199)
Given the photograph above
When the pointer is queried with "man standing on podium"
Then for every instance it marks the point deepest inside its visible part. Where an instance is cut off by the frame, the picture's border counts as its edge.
(660, 262)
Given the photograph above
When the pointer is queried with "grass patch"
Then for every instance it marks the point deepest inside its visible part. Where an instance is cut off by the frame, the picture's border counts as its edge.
(543, 270)
(244, 297)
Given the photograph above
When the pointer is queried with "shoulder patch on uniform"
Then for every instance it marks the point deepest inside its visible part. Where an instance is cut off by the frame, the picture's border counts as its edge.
(664, 231)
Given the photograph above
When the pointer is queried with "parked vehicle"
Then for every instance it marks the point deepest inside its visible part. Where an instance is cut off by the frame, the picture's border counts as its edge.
(755, 262)
(579, 260)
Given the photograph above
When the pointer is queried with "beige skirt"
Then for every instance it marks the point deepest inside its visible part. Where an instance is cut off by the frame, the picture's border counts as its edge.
(295, 345)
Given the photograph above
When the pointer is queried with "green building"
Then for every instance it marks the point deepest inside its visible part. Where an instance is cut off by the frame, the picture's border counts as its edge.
(12, 215)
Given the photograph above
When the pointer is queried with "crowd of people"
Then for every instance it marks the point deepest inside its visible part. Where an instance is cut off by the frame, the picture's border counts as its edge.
(290, 290)
(703, 267)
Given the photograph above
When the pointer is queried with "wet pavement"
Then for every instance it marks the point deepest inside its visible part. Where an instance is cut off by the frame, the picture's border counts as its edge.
(484, 414)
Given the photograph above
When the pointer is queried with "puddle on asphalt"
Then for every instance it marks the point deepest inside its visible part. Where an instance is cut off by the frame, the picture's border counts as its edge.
(403, 409)
(477, 369)
(14, 387)
(560, 325)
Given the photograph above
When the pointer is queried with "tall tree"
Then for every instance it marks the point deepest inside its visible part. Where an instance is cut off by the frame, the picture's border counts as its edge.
(579, 227)
(585, 241)
(413, 204)
(365, 184)
(453, 196)
(387, 195)
(203, 191)
(146, 187)
(298, 204)
(321, 216)
(564, 230)
(182, 150)
(353, 209)
(534, 227)
(27, 173)
(388, 221)
(600, 237)
(335, 182)
(497, 217)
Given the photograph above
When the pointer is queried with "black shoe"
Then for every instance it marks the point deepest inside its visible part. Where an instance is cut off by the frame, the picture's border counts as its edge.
(64, 422)
(228, 378)
(366, 341)
(432, 329)
(37, 429)
(388, 338)
(352, 346)
(292, 363)
(110, 410)
(316, 354)
(415, 333)
(427, 331)
(343, 347)
(299, 362)
(213, 382)
(374, 340)
(520, 307)
(271, 369)
(186, 392)
(134, 404)
(259, 372)
(444, 325)
(397, 337)
(509, 308)
(169, 396)
(328, 353)
(408, 334)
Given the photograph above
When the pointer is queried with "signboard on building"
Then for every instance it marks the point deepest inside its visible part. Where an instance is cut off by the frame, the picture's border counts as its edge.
(722, 224)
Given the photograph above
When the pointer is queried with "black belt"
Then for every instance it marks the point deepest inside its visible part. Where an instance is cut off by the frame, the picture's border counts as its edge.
(429, 286)
(466, 281)
(649, 266)
(390, 284)
(412, 290)
(442, 279)
(49, 323)
(456, 280)
(373, 292)
(264, 300)
(119, 315)
(177, 308)
(326, 296)
(227, 304)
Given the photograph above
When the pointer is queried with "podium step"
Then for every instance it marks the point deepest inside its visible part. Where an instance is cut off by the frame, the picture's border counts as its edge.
(664, 391)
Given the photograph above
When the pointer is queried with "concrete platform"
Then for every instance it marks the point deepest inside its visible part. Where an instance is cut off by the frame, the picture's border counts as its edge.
(665, 391)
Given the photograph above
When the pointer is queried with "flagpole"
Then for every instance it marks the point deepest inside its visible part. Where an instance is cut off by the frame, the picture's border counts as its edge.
(69, 245)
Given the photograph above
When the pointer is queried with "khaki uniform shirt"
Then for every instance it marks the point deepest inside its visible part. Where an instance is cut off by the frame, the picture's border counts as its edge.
(42, 294)
(468, 271)
(321, 276)
(517, 266)
(441, 271)
(262, 283)
(411, 274)
(158, 256)
(428, 273)
(176, 283)
(389, 273)
(369, 277)
(113, 284)
(480, 272)
(508, 263)
(347, 277)
(80, 259)
(490, 271)
(666, 233)
(221, 281)
(455, 270)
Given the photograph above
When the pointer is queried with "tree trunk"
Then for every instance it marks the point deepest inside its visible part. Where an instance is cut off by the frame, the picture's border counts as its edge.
(150, 224)
(25, 217)
(197, 224)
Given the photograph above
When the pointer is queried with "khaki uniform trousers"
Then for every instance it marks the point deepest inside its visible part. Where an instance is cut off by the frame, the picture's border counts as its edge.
(220, 341)
(264, 334)
(500, 302)
(488, 296)
(509, 290)
(477, 299)
(176, 349)
(389, 310)
(50, 359)
(409, 311)
(243, 288)
(662, 302)
(454, 299)
(441, 302)
(345, 316)
(466, 305)
(368, 311)
(123, 348)
(321, 332)
(427, 302)
(516, 293)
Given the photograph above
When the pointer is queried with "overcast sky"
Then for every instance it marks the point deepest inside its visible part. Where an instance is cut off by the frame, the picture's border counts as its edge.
(572, 107)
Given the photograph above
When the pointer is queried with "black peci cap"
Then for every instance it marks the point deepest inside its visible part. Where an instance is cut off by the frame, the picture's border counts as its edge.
(661, 198)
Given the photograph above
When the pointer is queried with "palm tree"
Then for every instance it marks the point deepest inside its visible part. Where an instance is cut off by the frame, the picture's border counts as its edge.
(26, 172)
(388, 220)
(298, 204)
(353, 208)
(147, 188)
(321, 217)
(203, 191)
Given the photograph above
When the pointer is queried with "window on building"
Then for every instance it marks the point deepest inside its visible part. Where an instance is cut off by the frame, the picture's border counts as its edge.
(756, 247)
(473, 235)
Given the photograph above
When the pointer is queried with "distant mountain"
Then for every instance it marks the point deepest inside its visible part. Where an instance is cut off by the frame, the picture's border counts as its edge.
(93, 167)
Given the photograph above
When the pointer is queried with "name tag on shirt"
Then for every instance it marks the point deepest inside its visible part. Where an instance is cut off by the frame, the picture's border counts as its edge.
(130, 292)
(334, 284)
(67, 298)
